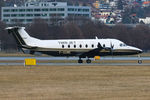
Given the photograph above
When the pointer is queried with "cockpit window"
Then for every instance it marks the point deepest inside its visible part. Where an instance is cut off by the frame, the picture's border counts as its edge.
(122, 45)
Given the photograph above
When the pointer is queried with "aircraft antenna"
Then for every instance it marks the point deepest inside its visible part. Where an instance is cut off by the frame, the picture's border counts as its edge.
(96, 37)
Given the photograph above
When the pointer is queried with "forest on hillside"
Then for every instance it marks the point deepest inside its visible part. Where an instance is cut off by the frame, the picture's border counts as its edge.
(138, 36)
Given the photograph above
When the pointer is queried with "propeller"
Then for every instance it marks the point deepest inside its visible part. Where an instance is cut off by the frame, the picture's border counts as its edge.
(111, 48)
(99, 45)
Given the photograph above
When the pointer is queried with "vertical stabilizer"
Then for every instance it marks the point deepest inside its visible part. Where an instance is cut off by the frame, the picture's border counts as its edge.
(22, 37)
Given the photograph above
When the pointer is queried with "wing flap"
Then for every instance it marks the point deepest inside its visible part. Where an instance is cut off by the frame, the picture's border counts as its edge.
(96, 52)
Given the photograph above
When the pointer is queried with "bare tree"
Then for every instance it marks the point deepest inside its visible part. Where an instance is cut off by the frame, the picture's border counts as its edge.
(8, 42)
(72, 31)
(39, 28)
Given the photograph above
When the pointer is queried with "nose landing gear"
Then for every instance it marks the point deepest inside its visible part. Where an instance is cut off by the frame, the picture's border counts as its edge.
(139, 59)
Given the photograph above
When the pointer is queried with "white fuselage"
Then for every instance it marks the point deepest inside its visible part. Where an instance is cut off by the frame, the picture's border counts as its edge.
(80, 44)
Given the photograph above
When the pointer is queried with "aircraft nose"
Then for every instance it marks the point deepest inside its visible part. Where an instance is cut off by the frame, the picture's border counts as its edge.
(139, 51)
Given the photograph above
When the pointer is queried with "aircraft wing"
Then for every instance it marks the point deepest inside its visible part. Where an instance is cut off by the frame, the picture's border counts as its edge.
(96, 51)
(93, 52)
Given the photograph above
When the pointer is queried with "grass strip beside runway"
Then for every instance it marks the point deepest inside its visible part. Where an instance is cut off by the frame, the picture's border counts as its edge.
(75, 83)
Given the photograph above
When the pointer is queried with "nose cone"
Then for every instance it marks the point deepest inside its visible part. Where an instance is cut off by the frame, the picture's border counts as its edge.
(137, 50)
(140, 51)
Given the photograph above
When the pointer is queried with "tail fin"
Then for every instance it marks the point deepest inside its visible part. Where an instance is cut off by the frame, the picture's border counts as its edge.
(22, 38)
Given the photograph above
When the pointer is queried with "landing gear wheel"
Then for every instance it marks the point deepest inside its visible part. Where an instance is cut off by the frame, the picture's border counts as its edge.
(139, 61)
(88, 61)
(80, 61)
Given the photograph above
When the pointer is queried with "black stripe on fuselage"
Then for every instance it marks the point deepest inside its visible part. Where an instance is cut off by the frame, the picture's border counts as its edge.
(17, 36)
(57, 53)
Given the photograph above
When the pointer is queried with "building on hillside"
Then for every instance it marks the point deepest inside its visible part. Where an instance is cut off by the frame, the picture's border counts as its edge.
(146, 3)
(105, 4)
(105, 17)
(45, 10)
(96, 4)
(104, 1)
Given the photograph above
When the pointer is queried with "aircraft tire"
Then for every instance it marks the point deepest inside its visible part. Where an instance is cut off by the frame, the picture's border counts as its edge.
(80, 61)
(88, 61)
(139, 61)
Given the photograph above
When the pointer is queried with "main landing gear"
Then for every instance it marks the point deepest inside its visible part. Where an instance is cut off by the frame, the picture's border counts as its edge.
(87, 61)
(80, 61)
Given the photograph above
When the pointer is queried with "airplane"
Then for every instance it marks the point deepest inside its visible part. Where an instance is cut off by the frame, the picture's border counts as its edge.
(82, 48)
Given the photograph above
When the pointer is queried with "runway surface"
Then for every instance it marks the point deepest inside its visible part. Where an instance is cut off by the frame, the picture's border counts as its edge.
(72, 58)
(76, 64)
(11, 59)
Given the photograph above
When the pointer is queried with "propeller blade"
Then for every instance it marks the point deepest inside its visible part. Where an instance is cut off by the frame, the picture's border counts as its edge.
(99, 45)
(112, 47)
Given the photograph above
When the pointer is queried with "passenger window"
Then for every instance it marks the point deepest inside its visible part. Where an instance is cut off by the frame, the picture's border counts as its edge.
(92, 45)
(63, 46)
(86, 45)
(74, 46)
(68, 46)
(80, 46)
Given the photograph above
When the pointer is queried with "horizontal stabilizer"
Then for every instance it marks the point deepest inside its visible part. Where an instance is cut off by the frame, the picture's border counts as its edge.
(15, 27)
(28, 47)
